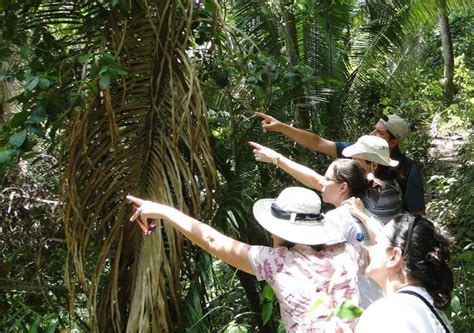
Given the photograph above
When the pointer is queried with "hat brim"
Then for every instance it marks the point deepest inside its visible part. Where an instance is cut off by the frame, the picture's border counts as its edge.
(319, 232)
(356, 151)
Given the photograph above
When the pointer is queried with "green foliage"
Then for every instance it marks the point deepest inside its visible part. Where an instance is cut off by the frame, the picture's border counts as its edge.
(235, 328)
(344, 76)
(21, 318)
(452, 204)
(348, 310)
(267, 298)
(32, 251)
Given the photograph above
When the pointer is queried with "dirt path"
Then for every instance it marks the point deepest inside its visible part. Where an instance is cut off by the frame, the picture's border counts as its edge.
(443, 158)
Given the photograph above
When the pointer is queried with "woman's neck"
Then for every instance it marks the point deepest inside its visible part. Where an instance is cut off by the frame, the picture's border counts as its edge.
(339, 202)
(391, 285)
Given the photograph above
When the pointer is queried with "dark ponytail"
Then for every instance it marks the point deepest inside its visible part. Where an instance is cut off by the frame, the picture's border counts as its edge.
(375, 187)
(427, 251)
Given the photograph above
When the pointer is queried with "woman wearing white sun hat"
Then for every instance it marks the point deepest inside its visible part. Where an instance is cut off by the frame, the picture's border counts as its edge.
(310, 262)
(343, 179)
(373, 154)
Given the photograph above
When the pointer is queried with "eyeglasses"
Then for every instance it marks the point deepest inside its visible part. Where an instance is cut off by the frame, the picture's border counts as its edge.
(410, 233)
(326, 179)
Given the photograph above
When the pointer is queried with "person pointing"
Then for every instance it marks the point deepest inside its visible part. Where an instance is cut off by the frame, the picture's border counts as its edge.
(391, 128)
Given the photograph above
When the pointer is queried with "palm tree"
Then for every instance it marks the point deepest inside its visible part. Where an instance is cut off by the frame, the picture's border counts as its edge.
(113, 83)
(132, 119)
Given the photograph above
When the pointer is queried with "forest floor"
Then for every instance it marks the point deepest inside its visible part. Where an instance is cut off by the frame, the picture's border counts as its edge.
(443, 157)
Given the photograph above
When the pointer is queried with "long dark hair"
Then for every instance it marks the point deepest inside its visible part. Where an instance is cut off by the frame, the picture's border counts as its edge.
(349, 171)
(426, 250)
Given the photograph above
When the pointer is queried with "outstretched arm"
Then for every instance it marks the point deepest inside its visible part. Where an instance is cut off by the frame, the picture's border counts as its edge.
(225, 248)
(300, 136)
(300, 172)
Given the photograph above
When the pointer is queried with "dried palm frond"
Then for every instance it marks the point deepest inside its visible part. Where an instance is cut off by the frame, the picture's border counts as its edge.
(142, 132)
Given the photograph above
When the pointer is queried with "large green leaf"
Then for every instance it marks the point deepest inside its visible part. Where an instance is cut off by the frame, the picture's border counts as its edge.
(18, 139)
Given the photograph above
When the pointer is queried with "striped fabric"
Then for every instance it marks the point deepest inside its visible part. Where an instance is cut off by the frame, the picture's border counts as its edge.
(388, 204)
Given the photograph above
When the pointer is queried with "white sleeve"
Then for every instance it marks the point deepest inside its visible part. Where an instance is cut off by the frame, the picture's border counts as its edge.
(353, 232)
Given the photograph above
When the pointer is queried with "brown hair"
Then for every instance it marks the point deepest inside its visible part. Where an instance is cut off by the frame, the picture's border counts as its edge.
(349, 171)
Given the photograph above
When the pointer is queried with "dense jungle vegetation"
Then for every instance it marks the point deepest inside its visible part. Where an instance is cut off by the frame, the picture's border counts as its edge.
(157, 98)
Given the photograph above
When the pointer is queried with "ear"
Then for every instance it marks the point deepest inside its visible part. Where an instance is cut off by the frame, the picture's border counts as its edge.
(344, 187)
(373, 167)
(395, 259)
(393, 143)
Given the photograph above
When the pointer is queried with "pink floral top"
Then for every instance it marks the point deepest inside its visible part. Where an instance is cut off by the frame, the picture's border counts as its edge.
(310, 284)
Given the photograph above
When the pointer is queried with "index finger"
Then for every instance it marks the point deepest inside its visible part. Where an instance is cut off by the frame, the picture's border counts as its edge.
(135, 200)
(262, 115)
(255, 145)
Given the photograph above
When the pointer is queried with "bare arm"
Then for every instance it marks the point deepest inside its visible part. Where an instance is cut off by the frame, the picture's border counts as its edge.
(300, 172)
(305, 138)
(232, 251)
(371, 224)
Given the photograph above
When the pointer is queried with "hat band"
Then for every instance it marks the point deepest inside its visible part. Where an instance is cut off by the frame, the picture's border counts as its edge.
(281, 213)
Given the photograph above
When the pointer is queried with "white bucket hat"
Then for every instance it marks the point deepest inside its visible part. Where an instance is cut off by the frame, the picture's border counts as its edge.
(371, 148)
(296, 217)
(396, 125)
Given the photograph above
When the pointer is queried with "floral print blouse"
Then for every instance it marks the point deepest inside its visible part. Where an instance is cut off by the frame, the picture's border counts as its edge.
(310, 284)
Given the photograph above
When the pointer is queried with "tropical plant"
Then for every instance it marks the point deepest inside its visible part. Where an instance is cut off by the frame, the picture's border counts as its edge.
(118, 91)
(113, 80)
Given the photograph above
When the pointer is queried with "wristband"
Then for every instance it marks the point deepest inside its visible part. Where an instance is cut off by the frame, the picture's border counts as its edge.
(275, 160)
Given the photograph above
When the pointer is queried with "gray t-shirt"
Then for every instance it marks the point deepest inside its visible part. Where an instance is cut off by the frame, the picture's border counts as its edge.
(388, 204)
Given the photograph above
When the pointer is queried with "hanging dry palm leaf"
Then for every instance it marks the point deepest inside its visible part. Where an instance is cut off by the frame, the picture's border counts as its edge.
(143, 133)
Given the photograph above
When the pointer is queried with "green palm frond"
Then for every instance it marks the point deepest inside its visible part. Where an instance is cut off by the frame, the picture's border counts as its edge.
(384, 44)
(257, 23)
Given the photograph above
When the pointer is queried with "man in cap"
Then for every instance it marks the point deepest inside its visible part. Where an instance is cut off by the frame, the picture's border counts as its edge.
(392, 128)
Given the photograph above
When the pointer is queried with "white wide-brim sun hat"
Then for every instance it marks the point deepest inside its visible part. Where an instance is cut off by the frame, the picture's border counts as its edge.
(371, 148)
(297, 218)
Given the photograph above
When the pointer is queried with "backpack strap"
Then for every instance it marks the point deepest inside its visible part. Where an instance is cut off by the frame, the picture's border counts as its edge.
(428, 304)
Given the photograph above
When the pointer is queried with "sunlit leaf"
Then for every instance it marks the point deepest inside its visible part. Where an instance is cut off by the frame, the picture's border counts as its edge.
(268, 292)
(455, 304)
(104, 81)
(267, 310)
(17, 139)
(6, 155)
(348, 310)
(33, 83)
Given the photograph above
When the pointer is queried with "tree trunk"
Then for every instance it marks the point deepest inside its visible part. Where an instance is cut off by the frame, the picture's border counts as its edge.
(289, 28)
(448, 55)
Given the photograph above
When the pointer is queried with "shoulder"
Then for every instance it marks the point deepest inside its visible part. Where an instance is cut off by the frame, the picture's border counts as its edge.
(385, 314)
(267, 261)
(342, 215)
(340, 146)
(399, 313)
(260, 253)
(353, 230)
(407, 164)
